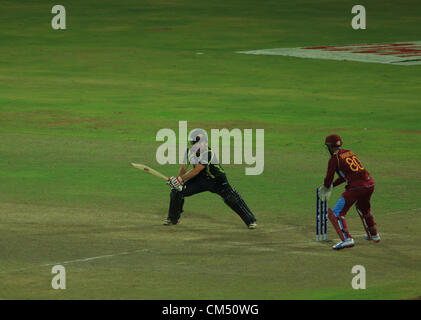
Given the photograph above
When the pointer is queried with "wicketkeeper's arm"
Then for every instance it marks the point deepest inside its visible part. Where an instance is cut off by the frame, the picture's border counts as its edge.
(338, 181)
(330, 174)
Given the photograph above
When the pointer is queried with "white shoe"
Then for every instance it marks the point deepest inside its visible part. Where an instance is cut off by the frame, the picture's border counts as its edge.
(168, 222)
(375, 238)
(348, 243)
(252, 225)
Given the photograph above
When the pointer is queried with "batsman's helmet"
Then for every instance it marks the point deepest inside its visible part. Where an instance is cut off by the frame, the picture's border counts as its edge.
(333, 140)
(198, 135)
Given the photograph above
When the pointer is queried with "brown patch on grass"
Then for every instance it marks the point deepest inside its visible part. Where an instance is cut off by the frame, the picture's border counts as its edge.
(228, 124)
(366, 129)
(158, 29)
(62, 123)
(90, 122)
(409, 132)
(59, 119)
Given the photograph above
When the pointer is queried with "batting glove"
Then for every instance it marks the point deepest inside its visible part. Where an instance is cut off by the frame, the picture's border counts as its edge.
(176, 183)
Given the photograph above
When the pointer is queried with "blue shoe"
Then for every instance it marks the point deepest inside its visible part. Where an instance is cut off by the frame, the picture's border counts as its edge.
(348, 243)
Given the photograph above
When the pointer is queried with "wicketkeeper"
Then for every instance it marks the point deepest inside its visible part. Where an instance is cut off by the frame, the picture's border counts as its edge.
(206, 175)
(358, 191)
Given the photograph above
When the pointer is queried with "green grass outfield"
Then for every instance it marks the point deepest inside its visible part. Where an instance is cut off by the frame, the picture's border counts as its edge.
(77, 106)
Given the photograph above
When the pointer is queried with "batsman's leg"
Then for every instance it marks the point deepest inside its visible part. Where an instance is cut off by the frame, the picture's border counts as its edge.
(193, 186)
(176, 207)
(234, 200)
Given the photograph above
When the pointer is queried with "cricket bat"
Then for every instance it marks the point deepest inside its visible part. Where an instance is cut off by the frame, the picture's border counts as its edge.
(149, 170)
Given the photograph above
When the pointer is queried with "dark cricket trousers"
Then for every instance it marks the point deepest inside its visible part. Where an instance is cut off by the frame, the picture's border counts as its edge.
(220, 186)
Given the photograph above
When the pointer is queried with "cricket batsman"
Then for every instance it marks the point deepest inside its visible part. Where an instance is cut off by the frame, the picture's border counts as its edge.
(358, 191)
(206, 175)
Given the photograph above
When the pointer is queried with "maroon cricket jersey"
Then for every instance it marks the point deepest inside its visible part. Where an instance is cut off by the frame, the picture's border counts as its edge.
(349, 169)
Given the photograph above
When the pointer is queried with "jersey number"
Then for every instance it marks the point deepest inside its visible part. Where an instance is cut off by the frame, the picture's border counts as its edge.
(354, 163)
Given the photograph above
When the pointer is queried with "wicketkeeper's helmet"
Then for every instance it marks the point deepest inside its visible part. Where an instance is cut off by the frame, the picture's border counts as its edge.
(333, 140)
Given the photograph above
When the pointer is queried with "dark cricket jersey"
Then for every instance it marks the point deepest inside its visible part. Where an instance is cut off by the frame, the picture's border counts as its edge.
(207, 158)
(349, 168)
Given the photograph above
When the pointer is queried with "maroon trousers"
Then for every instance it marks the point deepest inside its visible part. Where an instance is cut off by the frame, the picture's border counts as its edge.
(361, 198)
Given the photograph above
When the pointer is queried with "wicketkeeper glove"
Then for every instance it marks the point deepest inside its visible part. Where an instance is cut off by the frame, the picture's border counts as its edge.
(325, 193)
(176, 183)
